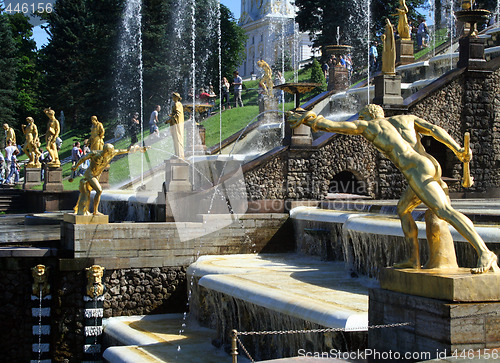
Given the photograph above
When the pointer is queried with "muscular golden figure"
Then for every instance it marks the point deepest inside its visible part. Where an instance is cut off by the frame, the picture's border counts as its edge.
(98, 161)
(9, 135)
(398, 138)
(267, 80)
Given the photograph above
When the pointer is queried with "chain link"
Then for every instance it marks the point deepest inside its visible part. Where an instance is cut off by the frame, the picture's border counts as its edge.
(325, 330)
(245, 349)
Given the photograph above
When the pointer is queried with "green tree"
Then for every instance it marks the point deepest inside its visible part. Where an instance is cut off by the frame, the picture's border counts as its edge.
(317, 75)
(78, 58)
(8, 65)
(28, 74)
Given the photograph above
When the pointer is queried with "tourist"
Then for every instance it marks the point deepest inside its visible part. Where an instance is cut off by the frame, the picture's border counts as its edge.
(2, 166)
(348, 62)
(238, 86)
(325, 68)
(76, 154)
(225, 93)
(422, 34)
(134, 128)
(204, 96)
(14, 169)
(373, 57)
(398, 138)
(9, 151)
(153, 121)
(85, 151)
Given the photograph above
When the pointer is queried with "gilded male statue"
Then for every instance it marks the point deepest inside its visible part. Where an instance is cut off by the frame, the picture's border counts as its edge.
(99, 159)
(53, 130)
(398, 138)
(32, 143)
(403, 27)
(176, 121)
(96, 134)
(9, 135)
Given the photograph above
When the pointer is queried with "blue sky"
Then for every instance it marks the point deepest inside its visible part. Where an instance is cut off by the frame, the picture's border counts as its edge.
(40, 35)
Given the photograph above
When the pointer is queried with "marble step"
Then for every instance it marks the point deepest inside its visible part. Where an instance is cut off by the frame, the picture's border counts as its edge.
(159, 338)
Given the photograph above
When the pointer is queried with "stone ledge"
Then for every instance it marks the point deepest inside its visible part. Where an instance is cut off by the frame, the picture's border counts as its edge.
(87, 219)
(452, 285)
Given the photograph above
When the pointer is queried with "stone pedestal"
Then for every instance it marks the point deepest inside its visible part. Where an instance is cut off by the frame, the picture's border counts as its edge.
(199, 141)
(104, 178)
(471, 53)
(338, 79)
(446, 311)
(177, 176)
(32, 177)
(301, 136)
(87, 219)
(52, 179)
(388, 90)
(404, 52)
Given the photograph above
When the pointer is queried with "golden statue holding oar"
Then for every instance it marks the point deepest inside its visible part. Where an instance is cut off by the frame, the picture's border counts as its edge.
(398, 138)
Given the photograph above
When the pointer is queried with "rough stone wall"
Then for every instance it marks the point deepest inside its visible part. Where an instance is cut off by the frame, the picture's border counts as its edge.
(345, 153)
(145, 291)
(268, 180)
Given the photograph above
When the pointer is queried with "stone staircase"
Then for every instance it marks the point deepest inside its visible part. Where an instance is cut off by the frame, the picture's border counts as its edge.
(160, 338)
(11, 201)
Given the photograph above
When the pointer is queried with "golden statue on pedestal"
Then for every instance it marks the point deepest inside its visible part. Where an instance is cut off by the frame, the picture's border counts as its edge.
(32, 143)
(53, 130)
(176, 121)
(398, 138)
(95, 288)
(98, 161)
(40, 280)
(403, 27)
(389, 50)
(267, 79)
(96, 134)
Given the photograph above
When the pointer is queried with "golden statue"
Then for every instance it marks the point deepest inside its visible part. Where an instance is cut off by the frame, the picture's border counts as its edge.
(176, 121)
(9, 135)
(95, 288)
(98, 161)
(267, 79)
(31, 144)
(96, 134)
(398, 138)
(51, 135)
(389, 50)
(468, 4)
(40, 280)
(403, 27)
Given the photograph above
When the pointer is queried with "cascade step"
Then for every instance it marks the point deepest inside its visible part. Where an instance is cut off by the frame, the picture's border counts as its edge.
(160, 338)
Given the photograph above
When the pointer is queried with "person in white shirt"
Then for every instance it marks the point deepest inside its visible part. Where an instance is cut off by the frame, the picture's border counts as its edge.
(9, 151)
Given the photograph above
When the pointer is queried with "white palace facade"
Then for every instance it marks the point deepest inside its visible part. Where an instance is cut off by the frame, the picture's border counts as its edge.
(270, 27)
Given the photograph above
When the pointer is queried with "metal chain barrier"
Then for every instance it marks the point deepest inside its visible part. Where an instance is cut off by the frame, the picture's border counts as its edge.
(235, 340)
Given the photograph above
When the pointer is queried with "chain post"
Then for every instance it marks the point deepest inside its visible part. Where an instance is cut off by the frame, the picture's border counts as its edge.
(234, 345)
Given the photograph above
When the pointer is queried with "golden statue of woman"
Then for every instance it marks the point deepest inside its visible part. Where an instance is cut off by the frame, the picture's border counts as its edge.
(51, 136)
(32, 143)
(96, 134)
(176, 121)
(403, 27)
(389, 50)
